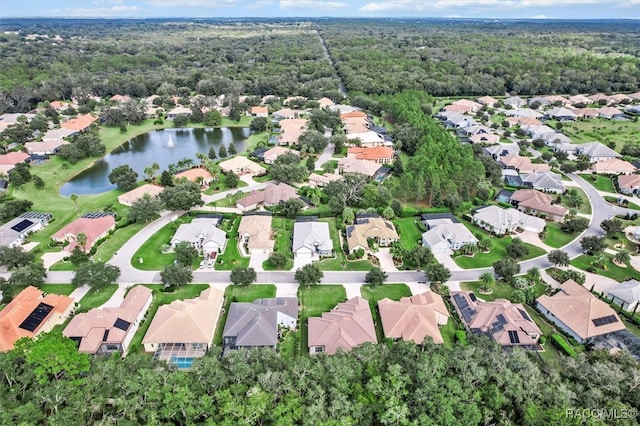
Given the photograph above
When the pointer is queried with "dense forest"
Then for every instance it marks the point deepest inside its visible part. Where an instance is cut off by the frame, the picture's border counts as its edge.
(392, 384)
(49, 59)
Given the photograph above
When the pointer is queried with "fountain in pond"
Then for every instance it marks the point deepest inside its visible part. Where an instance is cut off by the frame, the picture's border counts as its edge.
(170, 144)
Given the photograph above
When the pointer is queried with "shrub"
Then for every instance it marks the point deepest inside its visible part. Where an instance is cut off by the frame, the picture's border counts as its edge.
(562, 344)
(461, 337)
(542, 340)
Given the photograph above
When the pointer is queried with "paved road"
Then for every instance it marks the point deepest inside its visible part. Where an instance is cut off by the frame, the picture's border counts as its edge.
(325, 156)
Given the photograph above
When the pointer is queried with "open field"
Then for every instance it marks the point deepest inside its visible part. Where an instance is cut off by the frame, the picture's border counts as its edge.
(601, 183)
(602, 130)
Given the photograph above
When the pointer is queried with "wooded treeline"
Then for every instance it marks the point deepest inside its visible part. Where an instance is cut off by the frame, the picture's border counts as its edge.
(449, 57)
(397, 383)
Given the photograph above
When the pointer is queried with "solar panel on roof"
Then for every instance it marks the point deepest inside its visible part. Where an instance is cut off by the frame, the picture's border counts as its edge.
(96, 215)
(22, 225)
(105, 336)
(524, 315)
(466, 314)
(472, 297)
(388, 225)
(36, 317)
(598, 322)
(513, 337)
(460, 301)
(122, 324)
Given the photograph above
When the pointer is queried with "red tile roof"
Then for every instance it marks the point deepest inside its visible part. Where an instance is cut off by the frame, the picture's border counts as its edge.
(374, 154)
(13, 158)
(92, 228)
(79, 123)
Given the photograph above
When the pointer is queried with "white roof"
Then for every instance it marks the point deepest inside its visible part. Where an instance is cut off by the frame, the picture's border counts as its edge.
(629, 291)
(311, 235)
(201, 228)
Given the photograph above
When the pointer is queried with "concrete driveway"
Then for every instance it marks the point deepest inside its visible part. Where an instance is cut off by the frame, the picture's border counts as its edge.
(386, 260)
(299, 262)
(256, 261)
(286, 290)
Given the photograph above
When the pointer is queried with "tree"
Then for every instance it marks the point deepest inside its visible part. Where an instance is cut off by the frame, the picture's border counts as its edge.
(212, 153)
(338, 141)
(506, 269)
(175, 276)
(388, 213)
(310, 163)
(348, 216)
(144, 209)
(38, 181)
(212, 118)
(222, 152)
(78, 256)
(15, 257)
(592, 244)
(232, 149)
(288, 169)
(81, 239)
(558, 257)
(20, 174)
(533, 275)
(243, 276)
(52, 356)
(419, 255)
(612, 227)
(186, 254)
(124, 177)
(575, 224)
(180, 121)
(487, 280)
(31, 274)
(517, 249)
(96, 275)
(166, 179)
(376, 276)
(623, 256)
(12, 208)
(308, 275)
(181, 197)
(397, 251)
(291, 207)
(74, 200)
(278, 260)
(312, 141)
(436, 272)
(231, 179)
(258, 124)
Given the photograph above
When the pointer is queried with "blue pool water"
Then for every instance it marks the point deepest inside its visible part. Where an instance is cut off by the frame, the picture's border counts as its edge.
(182, 362)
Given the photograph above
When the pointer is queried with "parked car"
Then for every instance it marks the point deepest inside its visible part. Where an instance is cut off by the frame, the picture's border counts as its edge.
(202, 264)
(210, 264)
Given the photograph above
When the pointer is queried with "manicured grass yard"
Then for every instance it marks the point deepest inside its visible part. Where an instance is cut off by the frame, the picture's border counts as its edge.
(601, 183)
(314, 301)
(410, 234)
(336, 263)
(162, 298)
(153, 258)
(498, 251)
(614, 201)
(283, 230)
(555, 237)
(585, 207)
(241, 294)
(95, 298)
(220, 186)
(614, 272)
(376, 293)
(501, 290)
(231, 257)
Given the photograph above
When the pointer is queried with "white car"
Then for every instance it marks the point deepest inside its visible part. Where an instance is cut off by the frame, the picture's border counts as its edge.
(210, 264)
(202, 264)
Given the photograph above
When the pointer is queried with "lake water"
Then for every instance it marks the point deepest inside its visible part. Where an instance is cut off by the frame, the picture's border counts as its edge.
(144, 150)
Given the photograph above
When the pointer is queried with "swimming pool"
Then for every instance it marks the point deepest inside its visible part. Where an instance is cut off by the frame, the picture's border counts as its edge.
(182, 362)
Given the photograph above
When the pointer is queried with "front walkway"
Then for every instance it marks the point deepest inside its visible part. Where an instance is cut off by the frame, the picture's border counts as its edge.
(419, 288)
(534, 239)
(299, 262)
(51, 258)
(79, 293)
(256, 260)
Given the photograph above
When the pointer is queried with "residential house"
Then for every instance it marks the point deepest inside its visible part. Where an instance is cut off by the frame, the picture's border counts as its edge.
(293, 124)
(379, 154)
(579, 313)
(251, 201)
(414, 318)
(16, 231)
(199, 175)
(508, 324)
(634, 110)
(372, 227)
(272, 195)
(348, 325)
(267, 99)
(596, 151)
(325, 102)
(311, 240)
(534, 202)
(259, 111)
(60, 105)
(355, 166)
(119, 98)
(580, 99)
(501, 150)
(45, 147)
(30, 313)
(446, 236)
(255, 234)
(523, 121)
(255, 325)
(544, 181)
(455, 120)
(289, 137)
(485, 138)
(177, 111)
(320, 181)
(487, 100)
(128, 198)
(540, 100)
(474, 129)
(242, 165)
(524, 112)
(296, 100)
(272, 155)
(629, 184)
(522, 164)
(7, 120)
(557, 99)
(627, 295)
(103, 331)
(353, 114)
(202, 234)
(555, 138)
(562, 114)
(93, 225)
(515, 101)
(463, 106)
(586, 112)
(613, 166)
(501, 221)
(79, 124)
(617, 98)
(367, 138)
(184, 329)
(9, 160)
(610, 112)
(284, 114)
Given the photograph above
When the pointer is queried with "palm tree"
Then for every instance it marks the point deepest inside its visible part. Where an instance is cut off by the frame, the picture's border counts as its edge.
(484, 242)
(149, 172)
(202, 157)
(488, 280)
(469, 248)
(533, 275)
(81, 239)
(600, 261)
(622, 256)
(397, 251)
(74, 199)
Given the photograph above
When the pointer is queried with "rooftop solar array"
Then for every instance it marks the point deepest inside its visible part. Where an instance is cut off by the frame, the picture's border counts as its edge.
(513, 337)
(208, 216)
(105, 336)
(306, 218)
(472, 297)
(465, 309)
(36, 215)
(36, 317)
(524, 314)
(22, 225)
(498, 324)
(122, 324)
(96, 215)
(598, 322)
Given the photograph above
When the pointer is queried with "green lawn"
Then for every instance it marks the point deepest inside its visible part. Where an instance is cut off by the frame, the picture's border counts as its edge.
(410, 234)
(283, 229)
(601, 183)
(162, 298)
(230, 199)
(614, 201)
(585, 206)
(241, 294)
(551, 354)
(614, 272)
(376, 293)
(231, 257)
(149, 252)
(340, 262)
(220, 186)
(96, 298)
(314, 301)
(501, 290)
(498, 251)
(600, 129)
(256, 138)
(555, 237)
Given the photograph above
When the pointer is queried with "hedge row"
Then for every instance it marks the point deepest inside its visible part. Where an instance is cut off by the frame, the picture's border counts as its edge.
(562, 344)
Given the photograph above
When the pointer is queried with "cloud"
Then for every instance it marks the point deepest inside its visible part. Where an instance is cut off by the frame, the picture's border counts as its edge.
(311, 4)
(97, 12)
(419, 6)
(204, 4)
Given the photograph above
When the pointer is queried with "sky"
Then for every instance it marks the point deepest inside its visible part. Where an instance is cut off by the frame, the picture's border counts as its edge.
(501, 9)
